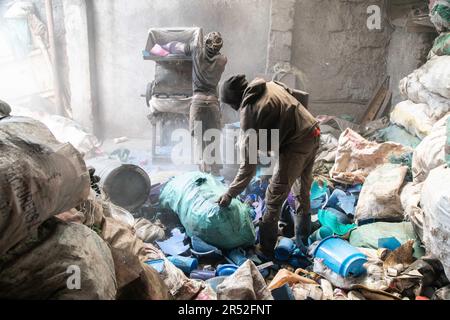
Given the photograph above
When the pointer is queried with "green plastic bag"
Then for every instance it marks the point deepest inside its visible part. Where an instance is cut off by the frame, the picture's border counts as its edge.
(440, 15)
(329, 220)
(193, 196)
(367, 235)
(441, 45)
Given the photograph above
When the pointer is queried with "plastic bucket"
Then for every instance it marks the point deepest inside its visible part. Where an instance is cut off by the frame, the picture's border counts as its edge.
(186, 264)
(341, 257)
(284, 249)
(127, 185)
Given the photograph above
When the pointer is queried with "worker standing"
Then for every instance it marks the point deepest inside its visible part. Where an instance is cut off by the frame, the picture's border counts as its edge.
(208, 67)
(271, 106)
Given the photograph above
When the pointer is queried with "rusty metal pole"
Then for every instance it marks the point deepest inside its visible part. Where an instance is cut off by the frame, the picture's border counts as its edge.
(51, 37)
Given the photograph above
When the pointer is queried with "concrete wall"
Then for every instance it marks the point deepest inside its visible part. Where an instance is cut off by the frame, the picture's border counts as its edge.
(407, 52)
(342, 60)
(120, 33)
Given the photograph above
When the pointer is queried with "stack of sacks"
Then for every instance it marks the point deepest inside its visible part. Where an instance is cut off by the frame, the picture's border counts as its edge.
(427, 91)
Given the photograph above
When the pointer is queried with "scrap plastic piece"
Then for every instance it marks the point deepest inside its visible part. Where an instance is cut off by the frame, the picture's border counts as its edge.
(330, 220)
(237, 256)
(174, 246)
(201, 248)
(318, 190)
(158, 264)
(340, 200)
(390, 243)
(283, 293)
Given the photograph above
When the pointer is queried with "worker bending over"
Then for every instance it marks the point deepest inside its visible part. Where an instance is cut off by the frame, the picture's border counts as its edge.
(271, 105)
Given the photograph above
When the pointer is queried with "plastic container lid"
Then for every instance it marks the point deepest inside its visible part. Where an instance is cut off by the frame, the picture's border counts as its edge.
(226, 269)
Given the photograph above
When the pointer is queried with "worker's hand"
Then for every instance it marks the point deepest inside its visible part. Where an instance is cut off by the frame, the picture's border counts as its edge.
(224, 201)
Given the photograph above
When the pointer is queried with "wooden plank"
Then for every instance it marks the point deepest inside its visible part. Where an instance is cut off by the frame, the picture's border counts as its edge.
(386, 107)
(376, 102)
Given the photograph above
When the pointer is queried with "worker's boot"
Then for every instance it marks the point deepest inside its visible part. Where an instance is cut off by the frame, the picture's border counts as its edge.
(268, 235)
(302, 228)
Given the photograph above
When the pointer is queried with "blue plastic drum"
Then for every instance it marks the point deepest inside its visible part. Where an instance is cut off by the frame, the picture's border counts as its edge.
(341, 257)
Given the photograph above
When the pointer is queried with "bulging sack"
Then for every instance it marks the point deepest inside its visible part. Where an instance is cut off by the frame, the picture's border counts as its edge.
(413, 90)
(435, 202)
(380, 195)
(39, 178)
(46, 267)
(357, 157)
(193, 196)
(413, 117)
(435, 75)
(430, 153)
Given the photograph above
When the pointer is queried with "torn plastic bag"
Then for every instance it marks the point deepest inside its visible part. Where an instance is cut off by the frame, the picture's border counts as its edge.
(435, 201)
(336, 221)
(380, 195)
(193, 196)
(40, 267)
(39, 178)
(357, 157)
(430, 153)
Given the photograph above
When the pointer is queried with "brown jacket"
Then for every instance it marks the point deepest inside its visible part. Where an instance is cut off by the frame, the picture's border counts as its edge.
(267, 105)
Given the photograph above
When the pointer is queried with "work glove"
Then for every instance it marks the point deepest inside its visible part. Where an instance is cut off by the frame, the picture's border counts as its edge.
(225, 200)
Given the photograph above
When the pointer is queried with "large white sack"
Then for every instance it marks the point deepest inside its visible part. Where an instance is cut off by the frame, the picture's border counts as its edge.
(357, 157)
(430, 153)
(435, 201)
(413, 90)
(435, 75)
(413, 117)
(380, 194)
(410, 199)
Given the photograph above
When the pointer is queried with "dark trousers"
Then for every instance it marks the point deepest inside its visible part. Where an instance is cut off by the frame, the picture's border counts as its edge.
(293, 172)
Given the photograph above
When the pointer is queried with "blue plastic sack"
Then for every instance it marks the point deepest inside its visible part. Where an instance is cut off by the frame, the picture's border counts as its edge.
(193, 196)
